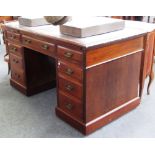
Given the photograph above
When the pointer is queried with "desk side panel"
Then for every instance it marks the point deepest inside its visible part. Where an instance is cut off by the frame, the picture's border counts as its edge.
(113, 80)
(112, 84)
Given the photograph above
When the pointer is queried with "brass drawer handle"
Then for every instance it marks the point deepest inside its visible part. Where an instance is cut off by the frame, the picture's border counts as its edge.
(27, 41)
(45, 47)
(69, 87)
(69, 71)
(13, 37)
(69, 106)
(15, 61)
(13, 49)
(17, 75)
(68, 55)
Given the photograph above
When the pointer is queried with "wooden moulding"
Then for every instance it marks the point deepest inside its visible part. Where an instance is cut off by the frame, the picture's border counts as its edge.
(87, 128)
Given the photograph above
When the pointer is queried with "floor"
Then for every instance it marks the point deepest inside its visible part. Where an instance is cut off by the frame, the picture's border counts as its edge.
(25, 117)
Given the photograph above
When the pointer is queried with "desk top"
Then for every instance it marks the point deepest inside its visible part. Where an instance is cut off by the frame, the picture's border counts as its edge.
(132, 29)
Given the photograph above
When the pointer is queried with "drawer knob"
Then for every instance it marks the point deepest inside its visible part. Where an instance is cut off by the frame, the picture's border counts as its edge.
(17, 75)
(14, 49)
(68, 55)
(69, 71)
(12, 37)
(69, 106)
(27, 41)
(16, 61)
(69, 87)
(45, 47)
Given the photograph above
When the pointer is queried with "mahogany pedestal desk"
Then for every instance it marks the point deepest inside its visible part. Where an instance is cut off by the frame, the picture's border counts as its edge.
(98, 78)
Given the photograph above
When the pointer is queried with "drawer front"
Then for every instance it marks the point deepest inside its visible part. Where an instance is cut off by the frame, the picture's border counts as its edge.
(70, 71)
(40, 46)
(14, 37)
(18, 76)
(70, 88)
(71, 106)
(10, 29)
(16, 62)
(15, 49)
(114, 51)
(70, 55)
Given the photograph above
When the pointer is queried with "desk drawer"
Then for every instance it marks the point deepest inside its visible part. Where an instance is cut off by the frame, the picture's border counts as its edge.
(70, 71)
(71, 106)
(15, 49)
(13, 37)
(18, 76)
(70, 55)
(70, 87)
(16, 62)
(40, 46)
(114, 51)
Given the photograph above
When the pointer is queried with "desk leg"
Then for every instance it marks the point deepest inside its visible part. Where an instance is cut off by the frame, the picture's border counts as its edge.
(143, 69)
(151, 78)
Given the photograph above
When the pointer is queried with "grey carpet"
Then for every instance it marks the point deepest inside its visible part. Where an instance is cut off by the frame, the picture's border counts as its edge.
(22, 116)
